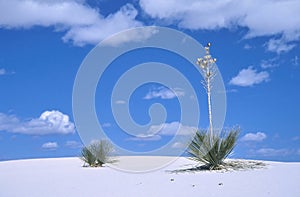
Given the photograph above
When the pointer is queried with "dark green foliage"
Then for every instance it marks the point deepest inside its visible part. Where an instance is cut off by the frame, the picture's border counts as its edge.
(213, 150)
(97, 153)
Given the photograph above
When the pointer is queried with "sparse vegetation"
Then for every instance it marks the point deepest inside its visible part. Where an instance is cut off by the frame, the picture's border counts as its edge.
(213, 151)
(211, 147)
(97, 153)
(88, 157)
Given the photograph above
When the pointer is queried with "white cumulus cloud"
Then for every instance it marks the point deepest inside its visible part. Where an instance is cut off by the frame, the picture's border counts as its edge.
(164, 93)
(81, 23)
(28, 13)
(260, 18)
(50, 145)
(49, 122)
(249, 77)
(134, 35)
(105, 27)
(257, 137)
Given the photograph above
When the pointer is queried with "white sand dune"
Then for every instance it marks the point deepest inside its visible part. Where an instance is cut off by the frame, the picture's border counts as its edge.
(67, 177)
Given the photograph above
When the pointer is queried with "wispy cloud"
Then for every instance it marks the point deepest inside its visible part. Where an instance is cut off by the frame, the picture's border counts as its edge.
(296, 138)
(247, 46)
(2, 71)
(49, 122)
(120, 102)
(50, 146)
(156, 132)
(87, 26)
(145, 138)
(279, 45)
(272, 152)
(107, 124)
(256, 137)
(170, 129)
(271, 18)
(295, 60)
(249, 77)
(164, 93)
(178, 145)
(270, 63)
(73, 144)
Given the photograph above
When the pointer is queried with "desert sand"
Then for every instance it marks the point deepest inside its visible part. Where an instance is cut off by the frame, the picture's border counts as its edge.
(67, 177)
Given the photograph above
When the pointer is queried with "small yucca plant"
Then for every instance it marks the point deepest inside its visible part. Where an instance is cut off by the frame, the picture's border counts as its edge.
(213, 150)
(97, 153)
(88, 157)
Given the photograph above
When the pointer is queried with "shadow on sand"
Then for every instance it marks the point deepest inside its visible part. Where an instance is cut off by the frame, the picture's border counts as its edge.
(232, 165)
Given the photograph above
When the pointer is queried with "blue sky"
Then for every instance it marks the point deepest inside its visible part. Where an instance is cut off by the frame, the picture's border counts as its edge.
(43, 43)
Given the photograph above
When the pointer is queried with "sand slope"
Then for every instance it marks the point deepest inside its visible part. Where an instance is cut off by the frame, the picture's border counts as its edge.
(67, 177)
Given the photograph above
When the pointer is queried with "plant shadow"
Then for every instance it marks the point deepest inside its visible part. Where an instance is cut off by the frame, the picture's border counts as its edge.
(190, 170)
(228, 166)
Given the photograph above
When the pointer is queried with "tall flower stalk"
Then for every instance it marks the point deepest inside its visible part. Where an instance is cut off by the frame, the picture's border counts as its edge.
(207, 66)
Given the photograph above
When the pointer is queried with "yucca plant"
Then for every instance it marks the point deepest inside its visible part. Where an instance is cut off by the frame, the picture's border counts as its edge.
(97, 153)
(88, 157)
(212, 151)
(210, 147)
